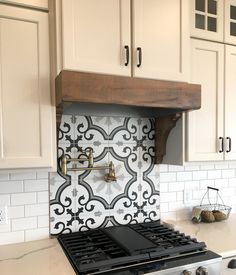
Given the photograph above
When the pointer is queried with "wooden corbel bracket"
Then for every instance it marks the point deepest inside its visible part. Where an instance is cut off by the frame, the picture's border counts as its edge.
(163, 126)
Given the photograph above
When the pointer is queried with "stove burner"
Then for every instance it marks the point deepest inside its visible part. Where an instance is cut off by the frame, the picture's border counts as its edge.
(101, 250)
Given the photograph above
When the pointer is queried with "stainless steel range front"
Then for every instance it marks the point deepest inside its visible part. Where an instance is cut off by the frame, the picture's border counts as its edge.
(146, 248)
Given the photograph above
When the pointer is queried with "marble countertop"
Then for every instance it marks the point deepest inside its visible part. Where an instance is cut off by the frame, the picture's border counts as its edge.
(45, 257)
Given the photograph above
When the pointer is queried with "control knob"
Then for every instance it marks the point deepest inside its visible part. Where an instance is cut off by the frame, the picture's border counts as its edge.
(186, 272)
(201, 271)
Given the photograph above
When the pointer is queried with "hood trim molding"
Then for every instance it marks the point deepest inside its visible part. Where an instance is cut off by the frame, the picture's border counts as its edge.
(170, 97)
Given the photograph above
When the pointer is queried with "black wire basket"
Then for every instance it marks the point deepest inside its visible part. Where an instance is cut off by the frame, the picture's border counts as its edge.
(211, 212)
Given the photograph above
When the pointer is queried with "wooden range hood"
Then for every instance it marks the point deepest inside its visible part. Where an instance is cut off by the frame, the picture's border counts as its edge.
(171, 98)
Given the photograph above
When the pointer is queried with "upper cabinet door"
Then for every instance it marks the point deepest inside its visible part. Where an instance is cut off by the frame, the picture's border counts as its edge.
(26, 123)
(207, 19)
(230, 99)
(230, 21)
(161, 39)
(42, 4)
(96, 36)
(205, 126)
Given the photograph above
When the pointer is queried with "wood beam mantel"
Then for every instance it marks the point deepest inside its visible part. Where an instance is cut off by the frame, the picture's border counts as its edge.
(169, 97)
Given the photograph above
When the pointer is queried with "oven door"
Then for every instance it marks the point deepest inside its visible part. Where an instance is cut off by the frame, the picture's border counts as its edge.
(225, 270)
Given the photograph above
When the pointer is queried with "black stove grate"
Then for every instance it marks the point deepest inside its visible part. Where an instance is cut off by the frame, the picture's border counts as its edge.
(114, 247)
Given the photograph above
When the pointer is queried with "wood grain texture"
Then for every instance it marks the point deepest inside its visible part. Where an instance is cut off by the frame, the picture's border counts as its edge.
(99, 88)
(172, 97)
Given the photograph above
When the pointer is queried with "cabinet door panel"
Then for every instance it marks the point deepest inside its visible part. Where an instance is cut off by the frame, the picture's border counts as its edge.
(207, 19)
(205, 126)
(31, 3)
(95, 34)
(230, 99)
(161, 29)
(230, 21)
(26, 130)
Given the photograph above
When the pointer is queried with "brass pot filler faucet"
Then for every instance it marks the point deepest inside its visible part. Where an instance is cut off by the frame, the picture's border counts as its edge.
(87, 155)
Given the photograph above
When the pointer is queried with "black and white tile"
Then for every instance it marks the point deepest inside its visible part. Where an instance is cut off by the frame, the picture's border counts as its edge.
(83, 200)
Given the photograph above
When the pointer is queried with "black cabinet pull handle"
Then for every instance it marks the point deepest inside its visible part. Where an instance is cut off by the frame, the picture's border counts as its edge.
(229, 150)
(127, 55)
(222, 145)
(139, 57)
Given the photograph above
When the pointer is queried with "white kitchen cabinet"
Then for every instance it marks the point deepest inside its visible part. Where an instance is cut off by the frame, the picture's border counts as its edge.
(96, 36)
(42, 4)
(214, 20)
(27, 127)
(161, 33)
(211, 130)
(207, 19)
(205, 126)
(230, 99)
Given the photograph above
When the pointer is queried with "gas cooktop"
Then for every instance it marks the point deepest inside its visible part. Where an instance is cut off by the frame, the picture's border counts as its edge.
(126, 248)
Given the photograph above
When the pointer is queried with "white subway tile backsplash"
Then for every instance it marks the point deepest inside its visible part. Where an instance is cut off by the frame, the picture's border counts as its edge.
(43, 221)
(205, 183)
(163, 167)
(24, 223)
(23, 199)
(232, 182)
(229, 173)
(36, 209)
(42, 175)
(221, 183)
(207, 166)
(36, 185)
(214, 174)
(16, 212)
(5, 227)
(5, 199)
(176, 186)
(192, 167)
(168, 197)
(12, 237)
(175, 168)
(36, 234)
(22, 176)
(184, 176)
(180, 196)
(198, 194)
(199, 175)
(167, 177)
(228, 192)
(191, 185)
(164, 207)
(222, 166)
(43, 197)
(175, 206)
(7, 187)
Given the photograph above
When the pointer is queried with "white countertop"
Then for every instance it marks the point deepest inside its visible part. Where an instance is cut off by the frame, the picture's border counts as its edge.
(46, 257)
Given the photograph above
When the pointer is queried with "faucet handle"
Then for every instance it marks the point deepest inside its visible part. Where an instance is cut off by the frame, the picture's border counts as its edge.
(64, 160)
(111, 176)
(89, 153)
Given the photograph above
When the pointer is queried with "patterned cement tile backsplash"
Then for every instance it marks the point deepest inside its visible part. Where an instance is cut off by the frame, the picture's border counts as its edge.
(83, 200)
